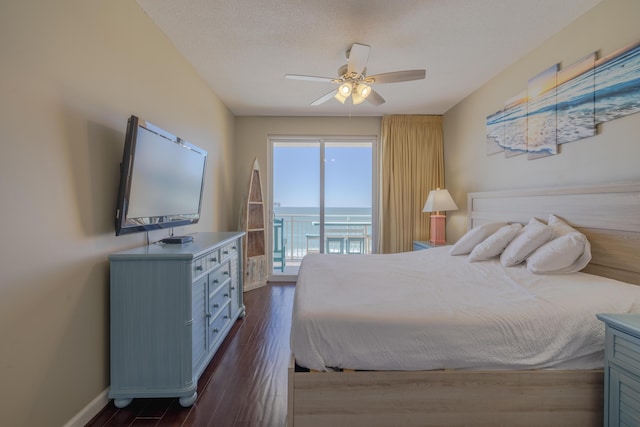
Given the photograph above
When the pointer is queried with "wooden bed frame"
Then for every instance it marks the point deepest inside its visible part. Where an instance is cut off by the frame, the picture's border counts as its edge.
(610, 217)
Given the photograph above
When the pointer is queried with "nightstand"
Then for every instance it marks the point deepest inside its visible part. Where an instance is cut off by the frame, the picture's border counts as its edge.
(621, 368)
(419, 245)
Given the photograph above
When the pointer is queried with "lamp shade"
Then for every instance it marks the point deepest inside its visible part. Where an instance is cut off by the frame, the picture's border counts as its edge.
(439, 200)
(356, 98)
(363, 90)
(340, 97)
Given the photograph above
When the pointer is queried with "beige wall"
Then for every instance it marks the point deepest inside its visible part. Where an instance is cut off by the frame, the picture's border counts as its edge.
(72, 72)
(252, 140)
(610, 156)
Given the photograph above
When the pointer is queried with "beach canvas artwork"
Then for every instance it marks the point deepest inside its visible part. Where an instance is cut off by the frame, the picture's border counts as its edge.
(576, 100)
(561, 106)
(617, 84)
(541, 114)
(515, 125)
(495, 133)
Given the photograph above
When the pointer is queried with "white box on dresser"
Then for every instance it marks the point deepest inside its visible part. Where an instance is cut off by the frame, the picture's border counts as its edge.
(171, 308)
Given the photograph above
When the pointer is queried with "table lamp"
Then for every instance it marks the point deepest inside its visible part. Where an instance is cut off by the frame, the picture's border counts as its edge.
(438, 201)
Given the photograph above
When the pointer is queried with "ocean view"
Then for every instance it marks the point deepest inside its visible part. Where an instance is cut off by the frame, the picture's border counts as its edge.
(302, 228)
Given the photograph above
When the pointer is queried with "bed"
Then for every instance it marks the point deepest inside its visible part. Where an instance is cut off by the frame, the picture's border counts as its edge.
(556, 386)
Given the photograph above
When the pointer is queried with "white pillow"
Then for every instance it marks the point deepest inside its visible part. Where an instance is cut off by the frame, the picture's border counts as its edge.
(495, 244)
(474, 236)
(559, 227)
(532, 236)
(568, 252)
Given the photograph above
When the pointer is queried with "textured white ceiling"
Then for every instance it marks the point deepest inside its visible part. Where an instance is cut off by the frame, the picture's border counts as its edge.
(243, 48)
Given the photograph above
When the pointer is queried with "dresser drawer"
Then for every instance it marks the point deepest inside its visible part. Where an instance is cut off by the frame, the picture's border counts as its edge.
(205, 262)
(625, 350)
(217, 324)
(220, 276)
(213, 258)
(229, 250)
(198, 267)
(218, 299)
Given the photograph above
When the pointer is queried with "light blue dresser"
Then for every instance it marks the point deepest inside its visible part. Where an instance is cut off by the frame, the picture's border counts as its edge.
(171, 308)
(622, 369)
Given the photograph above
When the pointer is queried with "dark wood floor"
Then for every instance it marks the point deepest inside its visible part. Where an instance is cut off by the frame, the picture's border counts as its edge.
(245, 385)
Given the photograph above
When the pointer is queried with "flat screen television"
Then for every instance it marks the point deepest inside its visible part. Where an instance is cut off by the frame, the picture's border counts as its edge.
(161, 180)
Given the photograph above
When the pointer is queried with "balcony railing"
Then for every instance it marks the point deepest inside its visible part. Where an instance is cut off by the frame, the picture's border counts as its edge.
(342, 234)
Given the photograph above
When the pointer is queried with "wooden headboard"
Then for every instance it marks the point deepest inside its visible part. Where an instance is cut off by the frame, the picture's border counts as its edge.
(609, 215)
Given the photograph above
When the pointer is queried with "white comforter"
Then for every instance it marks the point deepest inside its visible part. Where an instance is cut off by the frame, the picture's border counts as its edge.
(429, 310)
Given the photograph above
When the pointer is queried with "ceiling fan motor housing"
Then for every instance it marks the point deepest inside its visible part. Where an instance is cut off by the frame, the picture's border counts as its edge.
(343, 72)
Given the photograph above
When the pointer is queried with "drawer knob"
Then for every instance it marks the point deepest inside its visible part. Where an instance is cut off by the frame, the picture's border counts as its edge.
(233, 288)
(215, 331)
(215, 281)
(226, 273)
(215, 305)
(226, 317)
(233, 247)
(207, 315)
(225, 252)
(198, 268)
(214, 259)
(226, 295)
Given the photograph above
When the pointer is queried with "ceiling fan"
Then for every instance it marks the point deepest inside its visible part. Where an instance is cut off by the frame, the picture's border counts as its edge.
(353, 80)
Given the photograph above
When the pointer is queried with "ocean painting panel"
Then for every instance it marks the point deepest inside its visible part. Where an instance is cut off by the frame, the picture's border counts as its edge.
(617, 84)
(495, 133)
(541, 114)
(515, 125)
(576, 101)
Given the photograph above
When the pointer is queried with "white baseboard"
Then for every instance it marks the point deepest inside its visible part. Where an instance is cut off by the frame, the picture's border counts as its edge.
(89, 411)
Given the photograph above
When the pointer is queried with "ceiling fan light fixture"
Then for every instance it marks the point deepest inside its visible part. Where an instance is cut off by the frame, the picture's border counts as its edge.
(360, 93)
(363, 90)
(357, 99)
(340, 97)
(345, 89)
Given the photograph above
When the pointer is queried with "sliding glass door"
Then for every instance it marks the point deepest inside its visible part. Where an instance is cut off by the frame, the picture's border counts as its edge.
(322, 194)
(347, 197)
(296, 209)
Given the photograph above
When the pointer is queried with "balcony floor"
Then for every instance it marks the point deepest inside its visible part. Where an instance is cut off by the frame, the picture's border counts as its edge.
(289, 274)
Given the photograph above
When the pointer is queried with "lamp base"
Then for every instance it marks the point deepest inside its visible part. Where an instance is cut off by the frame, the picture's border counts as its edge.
(437, 232)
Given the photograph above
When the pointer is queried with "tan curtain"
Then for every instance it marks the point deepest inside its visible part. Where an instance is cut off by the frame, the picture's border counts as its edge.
(412, 165)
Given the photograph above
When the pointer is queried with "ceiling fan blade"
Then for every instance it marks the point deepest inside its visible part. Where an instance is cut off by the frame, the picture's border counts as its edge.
(397, 76)
(324, 98)
(309, 78)
(375, 98)
(358, 57)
